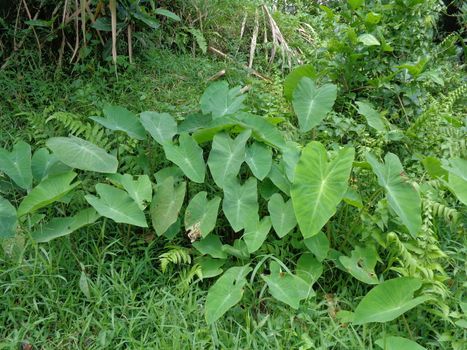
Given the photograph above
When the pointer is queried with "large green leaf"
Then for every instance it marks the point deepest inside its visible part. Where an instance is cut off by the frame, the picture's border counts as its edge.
(44, 164)
(388, 300)
(166, 204)
(227, 156)
(211, 245)
(319, 245)
(219, 100)
(361, 264)
(286, 287)
(309, 269)
(117, 205)
(262, 129)
(81, 154)
(8, 219)
(290, 157)
(457, 178)
(259, 158)
(58, 227)
(226, 292)
(402, 197)
(293, 78)
(398, 343)
(121, 119)
(372, 116)
(255, 235)
(240, 204)
(161, 126)
(312, 104)
(282, 215)
(201, 214)
(368, 40)
(319, 186)
(48, 191)
(140, 189)
(188, 156)
(17, 164)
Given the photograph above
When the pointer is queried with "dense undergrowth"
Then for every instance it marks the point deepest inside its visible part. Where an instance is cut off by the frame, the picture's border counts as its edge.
(315, 200)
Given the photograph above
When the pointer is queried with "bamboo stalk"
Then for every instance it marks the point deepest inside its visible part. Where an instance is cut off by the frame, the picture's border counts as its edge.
(113, 14)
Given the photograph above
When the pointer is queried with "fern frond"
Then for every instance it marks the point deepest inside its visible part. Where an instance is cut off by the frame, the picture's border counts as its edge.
(175, 256)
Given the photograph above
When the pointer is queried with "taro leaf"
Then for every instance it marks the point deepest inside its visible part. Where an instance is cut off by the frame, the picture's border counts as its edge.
(402, 197)
(220, 101)
(282, 215)
(255, 235)
(292, 80)
(279, 179)
(166, 204)
(318, 245)
(8, 219)
(140, 189)
(210, 267)
(398, 343)
(44, 164)
(311, 104)
(48, 191)
(353, 198)
(173, 230)
(81, 154)
(262, 129)
(309, 268)
(355, 4)
(194, 122)
(285, 287)
(164, 173)
(226, 292)
(58, 227)
(457, 166)
(213, 128)
(319, 186)
(368, 40)
(201, 213)
(259, 158)
(211, 245)
(361, 264)
(290, 157)
(121, 119)
(117, 205)
(17, 164)
(433, 167)
(188, 156)
(458, 186)
(389, 300)
(372, 116)
(240, 204)
(161, 126)
(238, 250)
(227, 156)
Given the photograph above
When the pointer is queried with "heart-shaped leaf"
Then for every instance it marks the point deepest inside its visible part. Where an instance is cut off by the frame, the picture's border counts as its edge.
(81, 154)
(59, 227)
(255, 236)
(201, 214)
(319, 245)
(309, 269)
(121, 119)
(210, 267)
(372, 116)
(166, 204)
(219, 100)
(17, 164)
(290, 157)
(361, 264)
(398, 343)
(188, 156)
(117, 205)
(161, 126)
(292, 79)
(319, 186)
(388, 300)
(48, 191)
(262, 129)
(140, 189)
(259, 158)
(368, 40)
(402, 197)
(311, 104)
(226, 292)
(282, 215)
(240, 204)
(44, 164)
(227, 156)
(8, 219)
(210, 245)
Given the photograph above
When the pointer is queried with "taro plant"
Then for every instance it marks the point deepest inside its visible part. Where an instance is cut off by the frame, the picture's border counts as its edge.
(229, 184)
